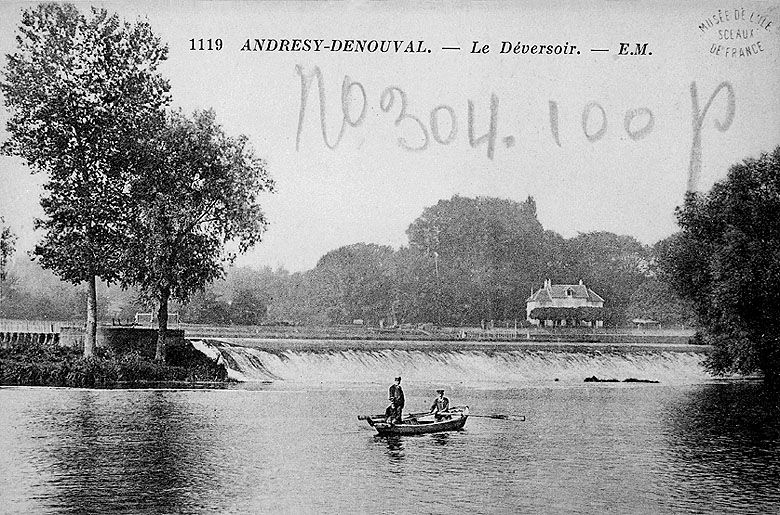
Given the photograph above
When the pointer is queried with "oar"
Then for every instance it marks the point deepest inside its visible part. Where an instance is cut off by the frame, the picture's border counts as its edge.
(499, 416)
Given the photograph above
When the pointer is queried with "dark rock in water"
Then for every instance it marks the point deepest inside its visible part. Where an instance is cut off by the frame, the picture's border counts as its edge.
(594, 379)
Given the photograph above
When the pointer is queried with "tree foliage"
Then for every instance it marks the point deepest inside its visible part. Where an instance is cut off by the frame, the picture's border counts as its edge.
(200, 191)
(356, 282)
(726, 261)
(82, 90)
(485, 254)
(612, 265)
(83, 93)
(207, 307)
(248, 308)
(419, 293)
(296, 298)
(657, 300)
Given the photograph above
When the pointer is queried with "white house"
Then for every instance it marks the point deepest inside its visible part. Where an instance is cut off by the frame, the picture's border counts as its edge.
(562, 296)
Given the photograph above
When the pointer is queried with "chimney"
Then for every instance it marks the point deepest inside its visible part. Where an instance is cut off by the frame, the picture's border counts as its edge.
(580, 282)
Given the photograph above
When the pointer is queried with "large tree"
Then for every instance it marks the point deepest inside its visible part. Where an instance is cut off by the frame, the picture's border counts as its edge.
(486, 255)
(614, 266)
(200, 191)
(726, 261)
(84, 93)
(356, 282)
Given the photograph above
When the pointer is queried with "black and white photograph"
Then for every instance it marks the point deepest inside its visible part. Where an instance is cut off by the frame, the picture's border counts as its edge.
(389, 257)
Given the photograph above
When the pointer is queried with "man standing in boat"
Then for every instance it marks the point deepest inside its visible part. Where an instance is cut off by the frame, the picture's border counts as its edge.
(396, 398)
(440, 405)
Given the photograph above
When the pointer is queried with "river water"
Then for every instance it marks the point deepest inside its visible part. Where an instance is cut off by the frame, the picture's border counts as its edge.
(296, 446)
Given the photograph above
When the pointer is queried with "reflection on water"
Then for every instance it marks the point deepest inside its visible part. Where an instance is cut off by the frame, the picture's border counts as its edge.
(604, 448)
(137, 448)
(394, 444)
(726, 440)
(395, 447)
(441, 438)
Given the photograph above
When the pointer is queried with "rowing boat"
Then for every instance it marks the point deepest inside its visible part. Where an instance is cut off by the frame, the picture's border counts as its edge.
(420, 423)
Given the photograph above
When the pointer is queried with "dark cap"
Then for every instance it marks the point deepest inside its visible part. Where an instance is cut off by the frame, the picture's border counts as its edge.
(439, 391)
(398, 378)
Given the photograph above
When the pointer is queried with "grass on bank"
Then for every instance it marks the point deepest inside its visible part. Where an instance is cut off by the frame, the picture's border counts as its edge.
(40, 364)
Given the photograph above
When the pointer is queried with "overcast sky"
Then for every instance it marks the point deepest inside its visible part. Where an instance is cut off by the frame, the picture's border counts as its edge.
(369, 189)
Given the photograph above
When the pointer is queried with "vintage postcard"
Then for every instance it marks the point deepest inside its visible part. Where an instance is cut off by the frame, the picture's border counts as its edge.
(470, 211)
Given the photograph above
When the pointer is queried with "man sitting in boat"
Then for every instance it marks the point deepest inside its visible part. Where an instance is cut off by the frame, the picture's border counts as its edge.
(440, 405)
(396, 398)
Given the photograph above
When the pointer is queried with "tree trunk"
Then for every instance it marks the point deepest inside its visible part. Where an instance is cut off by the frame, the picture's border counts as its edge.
(91, 332)
(162, 320)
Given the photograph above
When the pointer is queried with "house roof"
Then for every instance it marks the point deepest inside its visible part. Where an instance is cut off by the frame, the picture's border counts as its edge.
(561, 291)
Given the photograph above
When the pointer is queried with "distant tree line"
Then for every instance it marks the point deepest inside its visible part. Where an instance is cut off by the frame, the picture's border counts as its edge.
(471, 260)
(468, 260)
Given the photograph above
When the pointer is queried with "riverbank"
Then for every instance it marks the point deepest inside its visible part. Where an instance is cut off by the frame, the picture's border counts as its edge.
(47, 364)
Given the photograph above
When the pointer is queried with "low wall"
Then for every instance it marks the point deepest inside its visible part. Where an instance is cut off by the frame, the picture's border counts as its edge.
(532, 334)
(281, 346)
(122, 340)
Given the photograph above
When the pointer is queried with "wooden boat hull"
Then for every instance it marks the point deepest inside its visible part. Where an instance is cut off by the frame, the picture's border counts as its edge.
(418, 424)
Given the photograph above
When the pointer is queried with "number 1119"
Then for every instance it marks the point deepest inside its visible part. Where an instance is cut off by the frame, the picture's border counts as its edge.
(206, 44)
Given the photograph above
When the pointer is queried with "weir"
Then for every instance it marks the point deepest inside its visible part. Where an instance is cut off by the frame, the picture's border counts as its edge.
(466, 364)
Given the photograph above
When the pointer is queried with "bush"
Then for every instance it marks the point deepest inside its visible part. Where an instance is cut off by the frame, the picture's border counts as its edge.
(34, 364)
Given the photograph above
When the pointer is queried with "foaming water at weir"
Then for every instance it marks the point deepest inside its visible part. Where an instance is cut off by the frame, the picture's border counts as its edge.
(464, 366)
